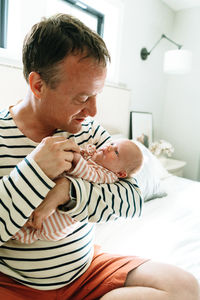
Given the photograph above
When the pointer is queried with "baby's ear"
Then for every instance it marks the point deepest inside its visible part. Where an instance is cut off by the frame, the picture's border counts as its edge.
(122, 174)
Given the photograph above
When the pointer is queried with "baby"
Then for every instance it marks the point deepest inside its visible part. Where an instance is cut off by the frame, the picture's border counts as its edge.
(119, 159)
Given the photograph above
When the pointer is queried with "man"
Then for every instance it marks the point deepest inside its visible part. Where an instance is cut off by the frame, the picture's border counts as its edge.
(65, 67)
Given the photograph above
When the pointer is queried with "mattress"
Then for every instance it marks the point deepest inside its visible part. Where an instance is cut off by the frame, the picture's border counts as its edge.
(168, 230)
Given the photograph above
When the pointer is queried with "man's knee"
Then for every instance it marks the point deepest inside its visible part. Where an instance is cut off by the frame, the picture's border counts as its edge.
(188, 285)
(173, 280)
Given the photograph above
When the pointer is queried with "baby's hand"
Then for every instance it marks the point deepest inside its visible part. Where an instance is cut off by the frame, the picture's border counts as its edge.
(57, 196)
(89, 151)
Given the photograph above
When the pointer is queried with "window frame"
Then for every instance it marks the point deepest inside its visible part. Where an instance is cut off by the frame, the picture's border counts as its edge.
(3, 23)
(87, 9)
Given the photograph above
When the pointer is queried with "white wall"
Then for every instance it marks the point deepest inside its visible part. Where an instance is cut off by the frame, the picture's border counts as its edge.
(13, 85)
(181, 117)
(144, 23)
(173, 100)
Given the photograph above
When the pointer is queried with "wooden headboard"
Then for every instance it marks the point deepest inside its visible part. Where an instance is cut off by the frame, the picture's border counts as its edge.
(113, 104)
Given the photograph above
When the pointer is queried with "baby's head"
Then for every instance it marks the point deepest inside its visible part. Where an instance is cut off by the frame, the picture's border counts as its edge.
(122, 157)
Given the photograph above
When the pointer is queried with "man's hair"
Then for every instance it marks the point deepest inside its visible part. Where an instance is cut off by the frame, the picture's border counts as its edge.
(52, 39)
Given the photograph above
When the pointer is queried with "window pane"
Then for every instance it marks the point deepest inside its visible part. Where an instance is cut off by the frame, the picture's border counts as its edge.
(86, 18)
(3, 22)
(58, 6)
(22, 14)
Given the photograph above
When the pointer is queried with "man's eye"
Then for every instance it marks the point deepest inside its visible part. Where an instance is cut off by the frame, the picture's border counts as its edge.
(116, 152)
(82, 99)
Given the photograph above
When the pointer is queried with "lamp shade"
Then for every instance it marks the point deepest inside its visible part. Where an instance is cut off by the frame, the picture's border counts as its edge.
(177, 61)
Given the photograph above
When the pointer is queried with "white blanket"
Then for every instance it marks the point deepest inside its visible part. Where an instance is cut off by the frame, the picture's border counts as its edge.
(168, 231)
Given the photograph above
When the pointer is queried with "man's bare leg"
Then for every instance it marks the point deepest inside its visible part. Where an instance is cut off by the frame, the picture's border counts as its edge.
(156, 281)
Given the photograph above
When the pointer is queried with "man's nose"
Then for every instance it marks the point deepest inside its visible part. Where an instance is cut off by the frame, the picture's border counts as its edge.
(91, 107)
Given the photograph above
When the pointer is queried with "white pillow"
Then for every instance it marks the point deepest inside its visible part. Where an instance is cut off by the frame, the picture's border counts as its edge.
(149, 176)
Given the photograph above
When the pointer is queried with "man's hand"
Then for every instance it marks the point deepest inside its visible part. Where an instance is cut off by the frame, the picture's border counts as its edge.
(57, 196)
(54, 155)
(76, 159)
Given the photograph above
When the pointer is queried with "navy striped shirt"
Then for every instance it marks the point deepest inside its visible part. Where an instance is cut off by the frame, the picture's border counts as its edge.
(49, 265)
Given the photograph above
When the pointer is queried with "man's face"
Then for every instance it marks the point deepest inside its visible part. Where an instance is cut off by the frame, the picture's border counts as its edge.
(74, 98)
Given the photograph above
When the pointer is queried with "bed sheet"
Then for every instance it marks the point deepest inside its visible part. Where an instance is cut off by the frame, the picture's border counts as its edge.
(168, 231)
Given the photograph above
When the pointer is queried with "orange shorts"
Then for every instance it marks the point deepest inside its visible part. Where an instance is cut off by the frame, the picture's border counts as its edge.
(106, 272)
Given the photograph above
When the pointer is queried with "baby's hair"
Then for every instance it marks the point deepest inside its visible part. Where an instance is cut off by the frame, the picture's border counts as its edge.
(135, 161)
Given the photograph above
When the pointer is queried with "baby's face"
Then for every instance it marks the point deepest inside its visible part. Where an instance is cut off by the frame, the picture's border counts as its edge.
(111, 156)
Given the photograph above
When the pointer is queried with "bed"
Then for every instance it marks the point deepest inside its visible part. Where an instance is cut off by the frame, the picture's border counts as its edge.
(169, 228)
(167, 231)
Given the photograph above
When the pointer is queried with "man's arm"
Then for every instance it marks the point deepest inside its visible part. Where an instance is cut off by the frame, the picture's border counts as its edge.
(20, 193)
(57, 196)
(29, 182)
(105, 202)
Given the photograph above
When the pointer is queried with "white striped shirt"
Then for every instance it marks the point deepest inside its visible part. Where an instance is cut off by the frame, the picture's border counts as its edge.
(49, 265)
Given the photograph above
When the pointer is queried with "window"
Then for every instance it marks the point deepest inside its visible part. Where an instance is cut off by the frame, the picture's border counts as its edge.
(103, 16)
(3, 22)
(97, 18)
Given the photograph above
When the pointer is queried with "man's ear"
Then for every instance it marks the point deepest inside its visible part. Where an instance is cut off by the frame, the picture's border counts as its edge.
(36, 84)
(122, 174)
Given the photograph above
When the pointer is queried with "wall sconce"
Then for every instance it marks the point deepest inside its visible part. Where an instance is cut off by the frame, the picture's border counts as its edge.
(175, 61)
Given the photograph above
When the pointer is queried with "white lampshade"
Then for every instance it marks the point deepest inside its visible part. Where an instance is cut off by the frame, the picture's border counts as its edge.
(177, 61)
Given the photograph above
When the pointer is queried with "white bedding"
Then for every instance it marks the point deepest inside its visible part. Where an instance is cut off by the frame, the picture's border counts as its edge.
(168, 231)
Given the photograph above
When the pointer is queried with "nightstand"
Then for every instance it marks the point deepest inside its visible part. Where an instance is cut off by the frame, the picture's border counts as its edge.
(173, 166)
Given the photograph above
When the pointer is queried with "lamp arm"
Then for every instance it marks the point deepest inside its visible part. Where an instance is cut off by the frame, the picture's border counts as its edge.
(165, 37)
(162, 36)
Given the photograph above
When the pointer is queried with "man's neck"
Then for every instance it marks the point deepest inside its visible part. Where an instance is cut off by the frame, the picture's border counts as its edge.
(28, 122)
